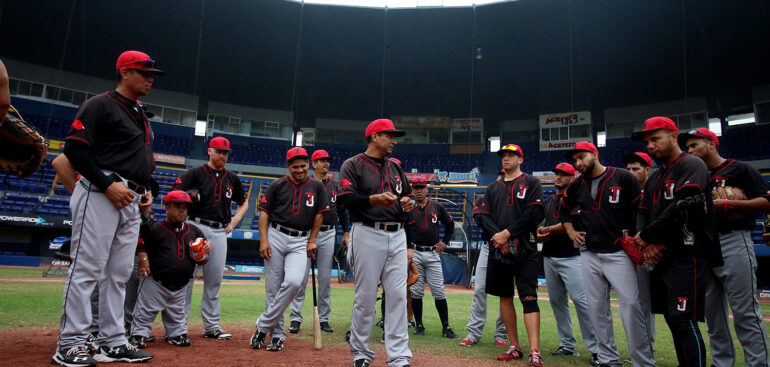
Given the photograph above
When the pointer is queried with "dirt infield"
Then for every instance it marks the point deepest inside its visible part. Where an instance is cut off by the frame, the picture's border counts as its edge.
(35, 348)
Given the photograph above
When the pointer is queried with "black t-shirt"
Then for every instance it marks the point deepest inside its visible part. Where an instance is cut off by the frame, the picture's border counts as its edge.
(366, 176)
(745, 177)
(558, 245)
(604, 217)
(118, 135)
(168, 250)
(217, 189)
(332, 188)
(294, 205)
(506, 202)
(426, 223)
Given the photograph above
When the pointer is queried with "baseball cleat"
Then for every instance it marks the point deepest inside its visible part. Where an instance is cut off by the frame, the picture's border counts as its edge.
(73, 357)
(595, 359)
(449, 333)
(258, 340)
(410, 325)
(149, 339)
(361, 363)
(122, 353)
(513, 352)
(564, 351)
(218, 334)
(535, 359)
(419, 330)
(326, 328)
(91, 343)
(275, 345)
(502, 343)
(294, 327)
(381, 324)
(137, 341)
(467, 342)
(180, 340)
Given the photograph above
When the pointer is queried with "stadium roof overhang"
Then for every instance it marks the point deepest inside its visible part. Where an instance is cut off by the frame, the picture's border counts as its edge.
(402, 4)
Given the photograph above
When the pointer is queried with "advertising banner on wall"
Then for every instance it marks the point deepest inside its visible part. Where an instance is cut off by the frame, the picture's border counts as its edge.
(560, 131)
(430, 177)
(166, 158)
(467, 124)
(420, 121)
(471, 177)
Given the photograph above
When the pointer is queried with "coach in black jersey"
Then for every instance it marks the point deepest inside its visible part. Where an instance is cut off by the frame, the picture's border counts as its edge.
(215, 188)
(607, 198)
(672, 223)
(515, 204)
(375, 191)
(290, 217)
(735, 282)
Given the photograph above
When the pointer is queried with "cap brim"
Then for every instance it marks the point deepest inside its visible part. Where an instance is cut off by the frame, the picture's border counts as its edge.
(419, 185)
(221, 148)
(296, 156)
(179, 201)
(561, 170)
(395, 133)
(501, 151)
(631, 158)
(152, 70)
(570, 152)
(682, 138)
(639, 135)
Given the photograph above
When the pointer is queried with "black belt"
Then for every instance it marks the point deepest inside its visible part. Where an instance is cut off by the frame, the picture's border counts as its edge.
(171, 285)
(424, 248)
(384, 226)
(327, 227)
(210, 223)
(135, 187)
(289, 231)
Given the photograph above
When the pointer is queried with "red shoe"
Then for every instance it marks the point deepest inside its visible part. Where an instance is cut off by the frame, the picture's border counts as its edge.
(467, 342)
(514, 352)
(502, 343)
(535, 359)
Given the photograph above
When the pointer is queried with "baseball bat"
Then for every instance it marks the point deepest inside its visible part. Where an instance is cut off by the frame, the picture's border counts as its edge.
(316, 322)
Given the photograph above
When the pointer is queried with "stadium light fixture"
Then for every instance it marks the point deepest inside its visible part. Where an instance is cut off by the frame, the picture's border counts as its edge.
(297, 139)
(601, 139)
(200, 128)
(746, 118)
(494, 143)
(716, 126)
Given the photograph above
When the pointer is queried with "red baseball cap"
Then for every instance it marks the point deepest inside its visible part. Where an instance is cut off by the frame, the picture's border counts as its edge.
(220, 143)
(320, 154)
(382, 126)
(419, 182)
(701, 133)
(177, 196)
(655, 123)
(296, 152)
(396, 161)
(640, 157)
(513, 148)
(565, 167)
(137, 60)
(582, 146)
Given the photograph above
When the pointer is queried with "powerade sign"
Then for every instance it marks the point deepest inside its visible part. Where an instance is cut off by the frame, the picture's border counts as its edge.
(26, 221)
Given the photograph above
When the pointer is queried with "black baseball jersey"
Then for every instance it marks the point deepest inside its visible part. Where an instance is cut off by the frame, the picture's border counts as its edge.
(168, 250)
(364, 175)
(332, 188)
(118, 135)
(506, 202)
(294, 205)
(217, 190)
(426, 223)
(745, 177)
(660, 191)
(558, 245)
(605, 216)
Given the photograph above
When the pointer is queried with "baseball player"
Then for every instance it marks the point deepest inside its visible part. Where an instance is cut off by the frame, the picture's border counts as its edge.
(564, 272)
(213, 189)
(734, 282)
(290, 218)
(5, 92)
(514, 205)
(640, 164)
(478, 314)
(325, 246)
(607, 198)
(673, 221)
(166, 263)
(110, 144)
(427, 255)
(376, 193)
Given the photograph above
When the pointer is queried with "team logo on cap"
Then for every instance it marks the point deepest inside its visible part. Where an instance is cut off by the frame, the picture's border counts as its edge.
(310, 199)
(614, 195)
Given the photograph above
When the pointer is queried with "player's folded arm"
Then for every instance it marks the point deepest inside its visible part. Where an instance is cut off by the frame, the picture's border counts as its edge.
(688, 206)
(528, 221)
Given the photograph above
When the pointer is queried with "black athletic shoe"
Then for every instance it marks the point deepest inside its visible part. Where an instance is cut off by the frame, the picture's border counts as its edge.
(258, 340)
(218, 334)
(419, 329)
(149, 339)
(275, 345)
(124, 353)
(361, 363)
(294, 327)
(347, 337)
(564, 351)
(595, 359)
(326, 328)
(410, 325)
(73, 357)
(180, 340)
(137, 341)
(91, 343)
(449, 333)
(380, 324)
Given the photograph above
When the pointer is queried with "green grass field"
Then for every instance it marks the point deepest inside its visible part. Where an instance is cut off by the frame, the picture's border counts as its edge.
(33, 305)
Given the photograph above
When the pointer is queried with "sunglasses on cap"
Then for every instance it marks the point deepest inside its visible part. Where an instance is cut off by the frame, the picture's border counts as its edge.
(147, 63)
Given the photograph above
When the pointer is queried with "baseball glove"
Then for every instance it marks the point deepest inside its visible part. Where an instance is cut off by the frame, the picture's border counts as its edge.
(633, 250)
(22, 147)
(728, 193)
(200, 250)
(412, 275)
